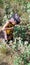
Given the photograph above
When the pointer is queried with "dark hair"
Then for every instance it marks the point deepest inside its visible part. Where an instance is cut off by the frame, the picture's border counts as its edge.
(16, 18)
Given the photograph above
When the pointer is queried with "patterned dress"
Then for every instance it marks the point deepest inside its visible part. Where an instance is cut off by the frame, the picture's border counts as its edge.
(9, 32)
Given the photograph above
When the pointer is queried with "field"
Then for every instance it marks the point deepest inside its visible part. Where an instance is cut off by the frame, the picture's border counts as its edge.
(18, 51)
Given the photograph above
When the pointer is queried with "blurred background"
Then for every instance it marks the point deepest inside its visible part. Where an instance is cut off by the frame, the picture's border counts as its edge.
(21, 46)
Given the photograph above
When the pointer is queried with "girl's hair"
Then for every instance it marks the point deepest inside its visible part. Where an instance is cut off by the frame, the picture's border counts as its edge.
(16, 18)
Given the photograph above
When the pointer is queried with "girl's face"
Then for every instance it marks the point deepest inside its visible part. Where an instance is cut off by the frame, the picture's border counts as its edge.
(13, 21)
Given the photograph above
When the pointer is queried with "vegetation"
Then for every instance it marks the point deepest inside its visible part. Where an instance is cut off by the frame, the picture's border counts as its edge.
(18, 52)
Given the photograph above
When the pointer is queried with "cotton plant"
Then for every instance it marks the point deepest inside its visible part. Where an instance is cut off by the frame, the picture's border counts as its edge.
(28, 7)
(5, 19)
(26, 43)
(28, 26)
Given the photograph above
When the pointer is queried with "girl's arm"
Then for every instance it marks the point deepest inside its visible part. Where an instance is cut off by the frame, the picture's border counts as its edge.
(4, 27)
(8, 28)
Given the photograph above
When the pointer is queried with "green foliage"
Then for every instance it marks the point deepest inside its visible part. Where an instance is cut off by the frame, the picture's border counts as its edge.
(23, 58)
(21, 53)
(28, 27)
(13, 6)
(1, 3)
(3, 48)
(21, 31)
(28, 63)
